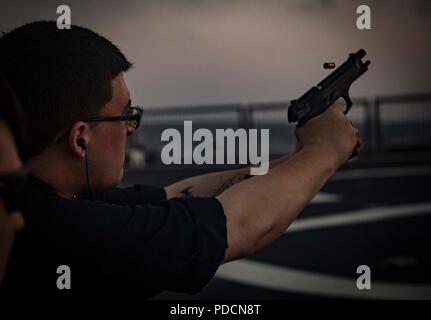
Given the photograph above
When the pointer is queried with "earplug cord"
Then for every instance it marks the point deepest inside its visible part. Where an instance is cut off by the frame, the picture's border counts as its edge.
(87, 175)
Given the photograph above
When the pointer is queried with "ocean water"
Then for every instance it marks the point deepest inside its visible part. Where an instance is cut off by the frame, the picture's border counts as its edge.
(394, 135)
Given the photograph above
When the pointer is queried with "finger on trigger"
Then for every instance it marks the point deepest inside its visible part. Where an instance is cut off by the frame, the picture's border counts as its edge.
(337, 107)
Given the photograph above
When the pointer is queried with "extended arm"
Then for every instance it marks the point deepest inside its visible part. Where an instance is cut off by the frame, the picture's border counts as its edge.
(260, 209)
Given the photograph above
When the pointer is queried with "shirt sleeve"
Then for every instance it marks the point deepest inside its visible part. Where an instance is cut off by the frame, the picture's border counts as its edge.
(131, 196)
(175, 245)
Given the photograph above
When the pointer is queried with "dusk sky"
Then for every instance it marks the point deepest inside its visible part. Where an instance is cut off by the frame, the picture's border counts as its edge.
(206, 52)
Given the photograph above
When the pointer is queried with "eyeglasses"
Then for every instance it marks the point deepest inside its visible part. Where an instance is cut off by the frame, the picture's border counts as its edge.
(132, 117)
(11, 186)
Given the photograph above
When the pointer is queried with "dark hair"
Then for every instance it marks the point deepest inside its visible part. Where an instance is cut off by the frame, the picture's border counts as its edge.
(61, 76)
(10, 111)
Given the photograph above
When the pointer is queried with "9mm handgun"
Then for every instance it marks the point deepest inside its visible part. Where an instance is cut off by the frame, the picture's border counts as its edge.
(316, 100)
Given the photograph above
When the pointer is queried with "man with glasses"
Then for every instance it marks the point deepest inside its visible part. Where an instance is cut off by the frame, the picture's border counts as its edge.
(143, 238)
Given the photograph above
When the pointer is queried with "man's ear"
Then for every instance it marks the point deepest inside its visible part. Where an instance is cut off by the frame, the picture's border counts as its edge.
(79, 138)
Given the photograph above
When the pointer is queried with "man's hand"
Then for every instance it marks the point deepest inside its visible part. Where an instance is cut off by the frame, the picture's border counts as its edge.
(332, 131)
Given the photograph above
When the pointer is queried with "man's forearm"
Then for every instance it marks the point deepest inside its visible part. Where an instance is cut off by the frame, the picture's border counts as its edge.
(213, 184)
(264, 206)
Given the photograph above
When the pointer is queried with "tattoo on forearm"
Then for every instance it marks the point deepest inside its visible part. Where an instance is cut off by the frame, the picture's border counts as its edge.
(187, 192)
(230, 182)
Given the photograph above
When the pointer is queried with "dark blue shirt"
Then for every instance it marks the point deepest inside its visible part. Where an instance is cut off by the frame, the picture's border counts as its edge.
(130, 239)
